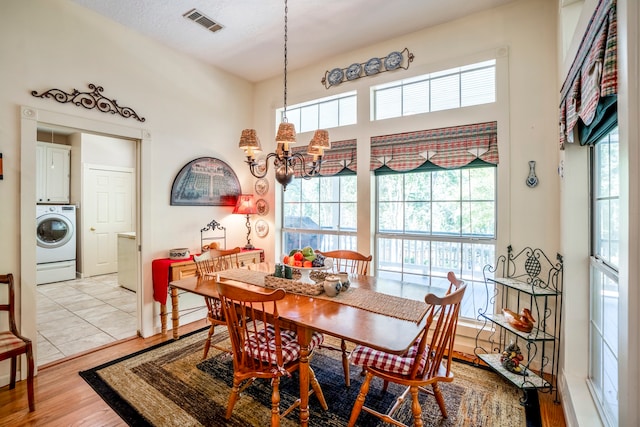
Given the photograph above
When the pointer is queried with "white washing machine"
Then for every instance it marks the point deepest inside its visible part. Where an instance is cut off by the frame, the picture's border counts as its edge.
(56, 243)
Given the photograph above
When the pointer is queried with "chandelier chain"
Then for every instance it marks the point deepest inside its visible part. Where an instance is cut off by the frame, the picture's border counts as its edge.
(286, 11)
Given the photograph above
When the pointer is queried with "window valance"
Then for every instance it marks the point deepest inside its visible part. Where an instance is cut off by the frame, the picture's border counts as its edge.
(449, 148)
(341, 156)
(593, 74)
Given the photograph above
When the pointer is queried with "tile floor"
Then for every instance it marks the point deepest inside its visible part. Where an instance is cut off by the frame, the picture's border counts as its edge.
(78, 315)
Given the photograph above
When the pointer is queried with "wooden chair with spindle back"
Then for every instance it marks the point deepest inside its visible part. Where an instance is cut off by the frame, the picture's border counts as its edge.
(351, 262)
(261, 348)
(422, 365)
(207, 265)
(12, 344)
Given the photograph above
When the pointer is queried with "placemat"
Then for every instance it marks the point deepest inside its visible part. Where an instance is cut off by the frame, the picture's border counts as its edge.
(375, 302)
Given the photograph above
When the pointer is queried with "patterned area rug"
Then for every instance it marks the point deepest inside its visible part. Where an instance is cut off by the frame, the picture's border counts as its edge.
(169, 385)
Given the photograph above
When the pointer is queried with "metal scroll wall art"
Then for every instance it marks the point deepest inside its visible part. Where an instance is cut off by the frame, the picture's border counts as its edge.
(393, 61)
(90, 100)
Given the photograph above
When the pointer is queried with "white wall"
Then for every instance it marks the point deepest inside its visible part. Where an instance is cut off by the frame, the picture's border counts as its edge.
(191, 110)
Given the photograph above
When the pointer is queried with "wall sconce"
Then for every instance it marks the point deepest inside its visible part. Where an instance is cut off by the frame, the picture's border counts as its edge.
(246, 205)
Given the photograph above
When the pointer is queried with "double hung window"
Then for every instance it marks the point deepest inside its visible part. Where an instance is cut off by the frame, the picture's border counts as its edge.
(605, 226)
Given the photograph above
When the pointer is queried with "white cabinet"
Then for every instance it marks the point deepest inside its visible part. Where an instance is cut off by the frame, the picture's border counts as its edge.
(127, 261)
(53, 162)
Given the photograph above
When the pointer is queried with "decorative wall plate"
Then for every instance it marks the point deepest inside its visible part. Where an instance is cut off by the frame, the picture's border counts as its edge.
(262, 228)
(393, 61)
(262, 164)
(262, 207)
(335, 76)
(372, 66)
(353, 72)
(262, 186)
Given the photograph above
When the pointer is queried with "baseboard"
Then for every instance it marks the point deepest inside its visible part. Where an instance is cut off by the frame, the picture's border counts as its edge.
(577, 403)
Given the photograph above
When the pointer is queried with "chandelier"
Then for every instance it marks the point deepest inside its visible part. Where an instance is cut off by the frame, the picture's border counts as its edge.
(285, 162)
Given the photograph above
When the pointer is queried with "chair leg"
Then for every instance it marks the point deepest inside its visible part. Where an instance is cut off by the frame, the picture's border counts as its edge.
(415, 407)
(317, 389)
(275, 402)
(30, 369)
(233, 397)
(207, 343)
(439, 398)
(345, 363)
(357, 407)
(14, 372)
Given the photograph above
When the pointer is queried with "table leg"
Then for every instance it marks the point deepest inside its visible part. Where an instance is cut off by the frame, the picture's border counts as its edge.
(304, 338)
(163, 318)
(175, 315)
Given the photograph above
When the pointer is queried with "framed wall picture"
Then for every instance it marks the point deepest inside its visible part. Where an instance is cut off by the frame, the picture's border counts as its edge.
(205, 181)
(262, 207)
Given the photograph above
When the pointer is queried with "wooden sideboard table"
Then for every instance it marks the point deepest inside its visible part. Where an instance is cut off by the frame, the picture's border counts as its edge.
(183, 269)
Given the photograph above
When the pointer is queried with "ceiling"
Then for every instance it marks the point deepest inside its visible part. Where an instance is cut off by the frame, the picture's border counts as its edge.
(251, 42)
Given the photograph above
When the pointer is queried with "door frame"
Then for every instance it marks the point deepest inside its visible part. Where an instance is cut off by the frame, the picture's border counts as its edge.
(30, 119)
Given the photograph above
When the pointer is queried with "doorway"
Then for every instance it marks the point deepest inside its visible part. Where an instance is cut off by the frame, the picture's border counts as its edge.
(31, 120)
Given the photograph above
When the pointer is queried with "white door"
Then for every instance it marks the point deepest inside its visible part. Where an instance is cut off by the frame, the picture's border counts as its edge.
(108, 200)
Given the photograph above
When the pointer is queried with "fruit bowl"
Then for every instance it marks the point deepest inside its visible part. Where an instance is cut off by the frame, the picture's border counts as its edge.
(305, 271)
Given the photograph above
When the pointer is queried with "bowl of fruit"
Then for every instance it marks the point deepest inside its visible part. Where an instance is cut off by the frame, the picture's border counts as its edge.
(306, 260)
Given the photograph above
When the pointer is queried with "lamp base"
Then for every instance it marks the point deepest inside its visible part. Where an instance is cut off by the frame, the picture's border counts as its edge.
(249, 247)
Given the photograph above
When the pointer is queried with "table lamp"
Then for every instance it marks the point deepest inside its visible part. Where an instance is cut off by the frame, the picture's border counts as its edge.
(246, 205)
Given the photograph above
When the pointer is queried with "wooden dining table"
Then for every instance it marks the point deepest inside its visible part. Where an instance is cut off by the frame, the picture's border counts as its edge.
(305, 314)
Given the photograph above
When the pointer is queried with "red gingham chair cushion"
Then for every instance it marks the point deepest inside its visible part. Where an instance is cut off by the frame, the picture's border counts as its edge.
(395, 363)
(263, 348)
(9, 342)
(215, 308)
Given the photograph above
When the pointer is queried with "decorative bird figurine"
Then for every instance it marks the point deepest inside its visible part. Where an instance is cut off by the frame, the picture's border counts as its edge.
(523, 322)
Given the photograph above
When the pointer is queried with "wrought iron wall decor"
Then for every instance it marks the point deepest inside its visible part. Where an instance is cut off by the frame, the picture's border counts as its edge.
(393, 61)
(90, 100)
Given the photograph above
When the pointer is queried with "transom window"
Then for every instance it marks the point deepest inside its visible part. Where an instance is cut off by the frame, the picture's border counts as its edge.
(458, 87)
(324, 113)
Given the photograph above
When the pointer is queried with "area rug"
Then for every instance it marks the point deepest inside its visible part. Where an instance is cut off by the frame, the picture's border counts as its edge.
(169, 385)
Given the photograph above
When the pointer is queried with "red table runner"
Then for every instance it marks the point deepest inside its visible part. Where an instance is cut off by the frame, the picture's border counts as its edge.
(160, 277)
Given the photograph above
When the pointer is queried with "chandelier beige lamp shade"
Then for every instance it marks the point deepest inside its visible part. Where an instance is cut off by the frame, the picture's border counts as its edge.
(286, 164)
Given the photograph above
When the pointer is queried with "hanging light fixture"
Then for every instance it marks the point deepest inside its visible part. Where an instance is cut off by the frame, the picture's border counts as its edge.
(284, 161)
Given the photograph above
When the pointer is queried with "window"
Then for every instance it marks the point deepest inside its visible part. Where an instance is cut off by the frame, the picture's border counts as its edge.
(473, 84)
(322, 113)
(434, 221)
(320, 212)
(605, 226)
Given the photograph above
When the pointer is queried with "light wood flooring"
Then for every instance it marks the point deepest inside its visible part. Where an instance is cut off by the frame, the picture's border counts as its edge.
(63, 398)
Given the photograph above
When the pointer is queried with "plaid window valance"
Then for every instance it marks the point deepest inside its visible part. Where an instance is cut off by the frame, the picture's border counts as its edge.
(593, 74)
(452, 147)
(342, 155)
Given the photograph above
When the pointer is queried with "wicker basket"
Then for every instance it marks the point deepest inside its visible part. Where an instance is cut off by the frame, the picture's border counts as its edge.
(292, 285)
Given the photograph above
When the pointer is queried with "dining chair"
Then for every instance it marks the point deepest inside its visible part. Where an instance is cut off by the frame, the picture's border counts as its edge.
(207, 265)
(261, 348)
(351, 262)
(12, 344)
(422, 365)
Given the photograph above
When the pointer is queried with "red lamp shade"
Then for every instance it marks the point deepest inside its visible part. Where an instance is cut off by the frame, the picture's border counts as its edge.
(246, 205)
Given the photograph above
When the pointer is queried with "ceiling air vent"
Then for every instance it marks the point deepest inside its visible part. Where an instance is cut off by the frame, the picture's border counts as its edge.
(198, 17)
